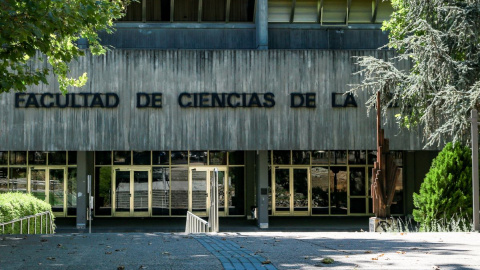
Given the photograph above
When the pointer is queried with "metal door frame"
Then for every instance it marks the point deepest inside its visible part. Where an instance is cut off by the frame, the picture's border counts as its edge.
(292, 211)
(207, 170)
(47, 184)
(132, 170)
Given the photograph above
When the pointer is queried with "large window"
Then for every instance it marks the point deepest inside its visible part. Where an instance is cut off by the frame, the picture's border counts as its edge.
(190, 11)
(339, 182)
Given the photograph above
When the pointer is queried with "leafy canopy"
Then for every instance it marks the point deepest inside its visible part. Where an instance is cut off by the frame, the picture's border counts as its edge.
(48, 30)
(437, 42)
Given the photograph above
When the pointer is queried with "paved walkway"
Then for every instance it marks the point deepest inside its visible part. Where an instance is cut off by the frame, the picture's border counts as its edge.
(242, 250)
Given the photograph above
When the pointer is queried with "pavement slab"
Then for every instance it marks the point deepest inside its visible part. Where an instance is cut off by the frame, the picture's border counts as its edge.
(241, 250)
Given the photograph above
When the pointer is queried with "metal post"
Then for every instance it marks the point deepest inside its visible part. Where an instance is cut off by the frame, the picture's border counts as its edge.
(475, 185)
(89, 190)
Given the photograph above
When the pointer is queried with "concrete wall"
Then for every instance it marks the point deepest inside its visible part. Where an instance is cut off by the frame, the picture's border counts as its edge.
(126, 127)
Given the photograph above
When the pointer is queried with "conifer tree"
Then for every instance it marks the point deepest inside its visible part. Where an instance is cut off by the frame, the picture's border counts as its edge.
(446, 191)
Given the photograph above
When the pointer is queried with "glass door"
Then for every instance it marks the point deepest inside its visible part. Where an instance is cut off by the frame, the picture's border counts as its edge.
(290, 187)
(132, 192)
(199, 190)
(56, 191)
(48, 184)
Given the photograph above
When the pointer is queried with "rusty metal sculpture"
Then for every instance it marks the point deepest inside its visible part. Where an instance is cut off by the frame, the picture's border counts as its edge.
(384, 173)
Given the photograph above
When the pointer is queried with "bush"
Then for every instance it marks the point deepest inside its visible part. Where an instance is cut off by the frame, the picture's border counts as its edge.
(446, 191)
(17, 205)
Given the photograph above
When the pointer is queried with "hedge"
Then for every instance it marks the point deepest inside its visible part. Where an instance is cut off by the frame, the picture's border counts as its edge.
(16, 205)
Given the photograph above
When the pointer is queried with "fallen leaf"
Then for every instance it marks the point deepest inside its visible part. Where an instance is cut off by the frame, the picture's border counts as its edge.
(59, 245)
(142, 267)
(374, 259)
(108, 252)
(327, 260)
(166, 253)
(368, 252)
(44, 240)
(121, 267)
(51, 258)
(266, 262)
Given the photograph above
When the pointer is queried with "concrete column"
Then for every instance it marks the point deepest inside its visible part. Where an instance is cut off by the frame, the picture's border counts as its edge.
(85, 167)
(261, 23)
(262, 188)
(250, 157)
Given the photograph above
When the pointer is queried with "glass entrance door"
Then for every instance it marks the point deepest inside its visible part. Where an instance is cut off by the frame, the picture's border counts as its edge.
(132, 193)
(48, 184)
(290, 187)
(199, 190)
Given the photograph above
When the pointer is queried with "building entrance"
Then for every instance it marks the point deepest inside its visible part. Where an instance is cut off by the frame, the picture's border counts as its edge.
(199, 190)
(132, 192)
(291, 186)
(48, 184)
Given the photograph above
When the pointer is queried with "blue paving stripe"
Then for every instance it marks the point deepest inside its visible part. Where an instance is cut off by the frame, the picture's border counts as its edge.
(231, 255)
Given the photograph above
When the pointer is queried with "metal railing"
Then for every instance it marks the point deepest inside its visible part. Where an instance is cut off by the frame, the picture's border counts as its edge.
(196, 224)
(43, 221)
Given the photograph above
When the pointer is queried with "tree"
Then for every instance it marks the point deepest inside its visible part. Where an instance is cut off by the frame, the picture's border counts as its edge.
(440, 41)
(446, 191)
(34, 30)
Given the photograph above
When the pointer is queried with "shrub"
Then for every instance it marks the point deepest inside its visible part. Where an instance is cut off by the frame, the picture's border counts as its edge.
(446, 191)
(17, 205)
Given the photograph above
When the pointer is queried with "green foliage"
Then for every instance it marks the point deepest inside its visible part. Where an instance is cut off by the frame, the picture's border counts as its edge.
(446, 191)
(16, 205)
(434, 77)
(37, 29)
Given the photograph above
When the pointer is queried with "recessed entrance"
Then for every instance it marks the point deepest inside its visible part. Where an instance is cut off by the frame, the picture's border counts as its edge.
(132, 192)
(290, 187)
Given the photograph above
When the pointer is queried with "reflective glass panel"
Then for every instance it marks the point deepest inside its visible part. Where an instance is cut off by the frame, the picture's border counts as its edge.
(358, 206)
(306, 11)
(221, 189)
(282, 190)
(57, 158)
(160, 191)
(122, 191)
(236, 158)
(160, 158)
(236, 191)
(320, 157)
(134, 12)
(198, 157)
(37, 184)
(37, 158)
(185, 10)
(199, 191)
(141, 158)
(217, 157)
(397, 157)
(179, 191)
(338, 190)
(281, 157)
(122, 158)
(213, 10)
(300, 189)
(179, 158)
(397, 204)
(18, 180)
(56, 189)
(18, 158)
(3, 157)
(103, 158)
(72, 191)
(320, 179)
(103, 191)
(357, 181)
(357, 157)
(339, 157)
(241, 10)
(372, 157)
(301, 157)
(140, 191)
(72, 158)
(3, 180)
(158, 10)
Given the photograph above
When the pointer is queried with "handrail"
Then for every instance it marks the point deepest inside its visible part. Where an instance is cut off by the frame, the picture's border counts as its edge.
(196, 224)
(49, 226)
